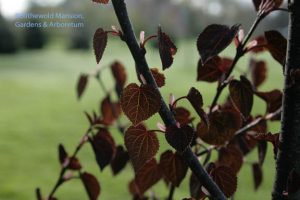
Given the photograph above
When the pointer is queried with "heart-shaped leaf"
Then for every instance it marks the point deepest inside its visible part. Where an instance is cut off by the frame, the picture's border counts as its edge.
(258, 72)
(226, 179)
(257, 175)
(277, 45)
(195, 98)
(140, 103)
(120, 160)
(147, 176)
(241, 95)
(223, 125)
(167, 49)
(142, 145)
(91, 185)
(214, 39)
(159, 77)
(81, 85)
(99, 43)
(173, 167)
(104, 147)
(179, 138)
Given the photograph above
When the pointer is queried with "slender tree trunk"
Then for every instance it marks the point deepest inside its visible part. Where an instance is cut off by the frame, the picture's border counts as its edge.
(288, 157)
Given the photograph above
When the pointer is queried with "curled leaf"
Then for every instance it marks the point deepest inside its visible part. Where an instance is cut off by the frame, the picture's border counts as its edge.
(195, 98)
(167, 49)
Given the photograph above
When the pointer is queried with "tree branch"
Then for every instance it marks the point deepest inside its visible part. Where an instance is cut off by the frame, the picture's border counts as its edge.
(288, 156)
(165, 113)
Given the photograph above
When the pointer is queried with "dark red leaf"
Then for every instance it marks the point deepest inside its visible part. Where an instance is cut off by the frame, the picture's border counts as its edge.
(257, 175)
(258, 72)
(99, 41)
(262, 151)
(74, 164)
(210, 71)
(213, 69)
(159, 77)
(226, 179)
(91, 185)
(133, 188)
(214, 39)
(104, 147)
(81, 85)
(110, 111)
(120, 160)
(232, 157)
(101, 1)
(142, 145)
(269, 137)
(179, 138)
(140, 103)
(293, 184)
(223, 125)
(119, 73)
(62, 154)
(167, 49)
(173, 167)
(147, 176)
(241, 95)
(272, 98)
(277, 45)
(195, 98)
(182, 115)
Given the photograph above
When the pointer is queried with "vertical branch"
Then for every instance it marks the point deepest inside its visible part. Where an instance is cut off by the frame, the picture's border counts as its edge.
(288, 157)
(165, 113)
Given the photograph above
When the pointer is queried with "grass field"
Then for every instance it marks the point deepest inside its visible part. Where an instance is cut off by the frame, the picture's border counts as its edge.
(39, 110)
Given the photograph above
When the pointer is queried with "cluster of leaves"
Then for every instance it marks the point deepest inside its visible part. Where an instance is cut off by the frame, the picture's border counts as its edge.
(229, 128)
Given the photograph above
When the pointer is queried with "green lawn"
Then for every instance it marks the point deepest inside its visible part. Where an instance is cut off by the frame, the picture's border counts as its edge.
(39, 110)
